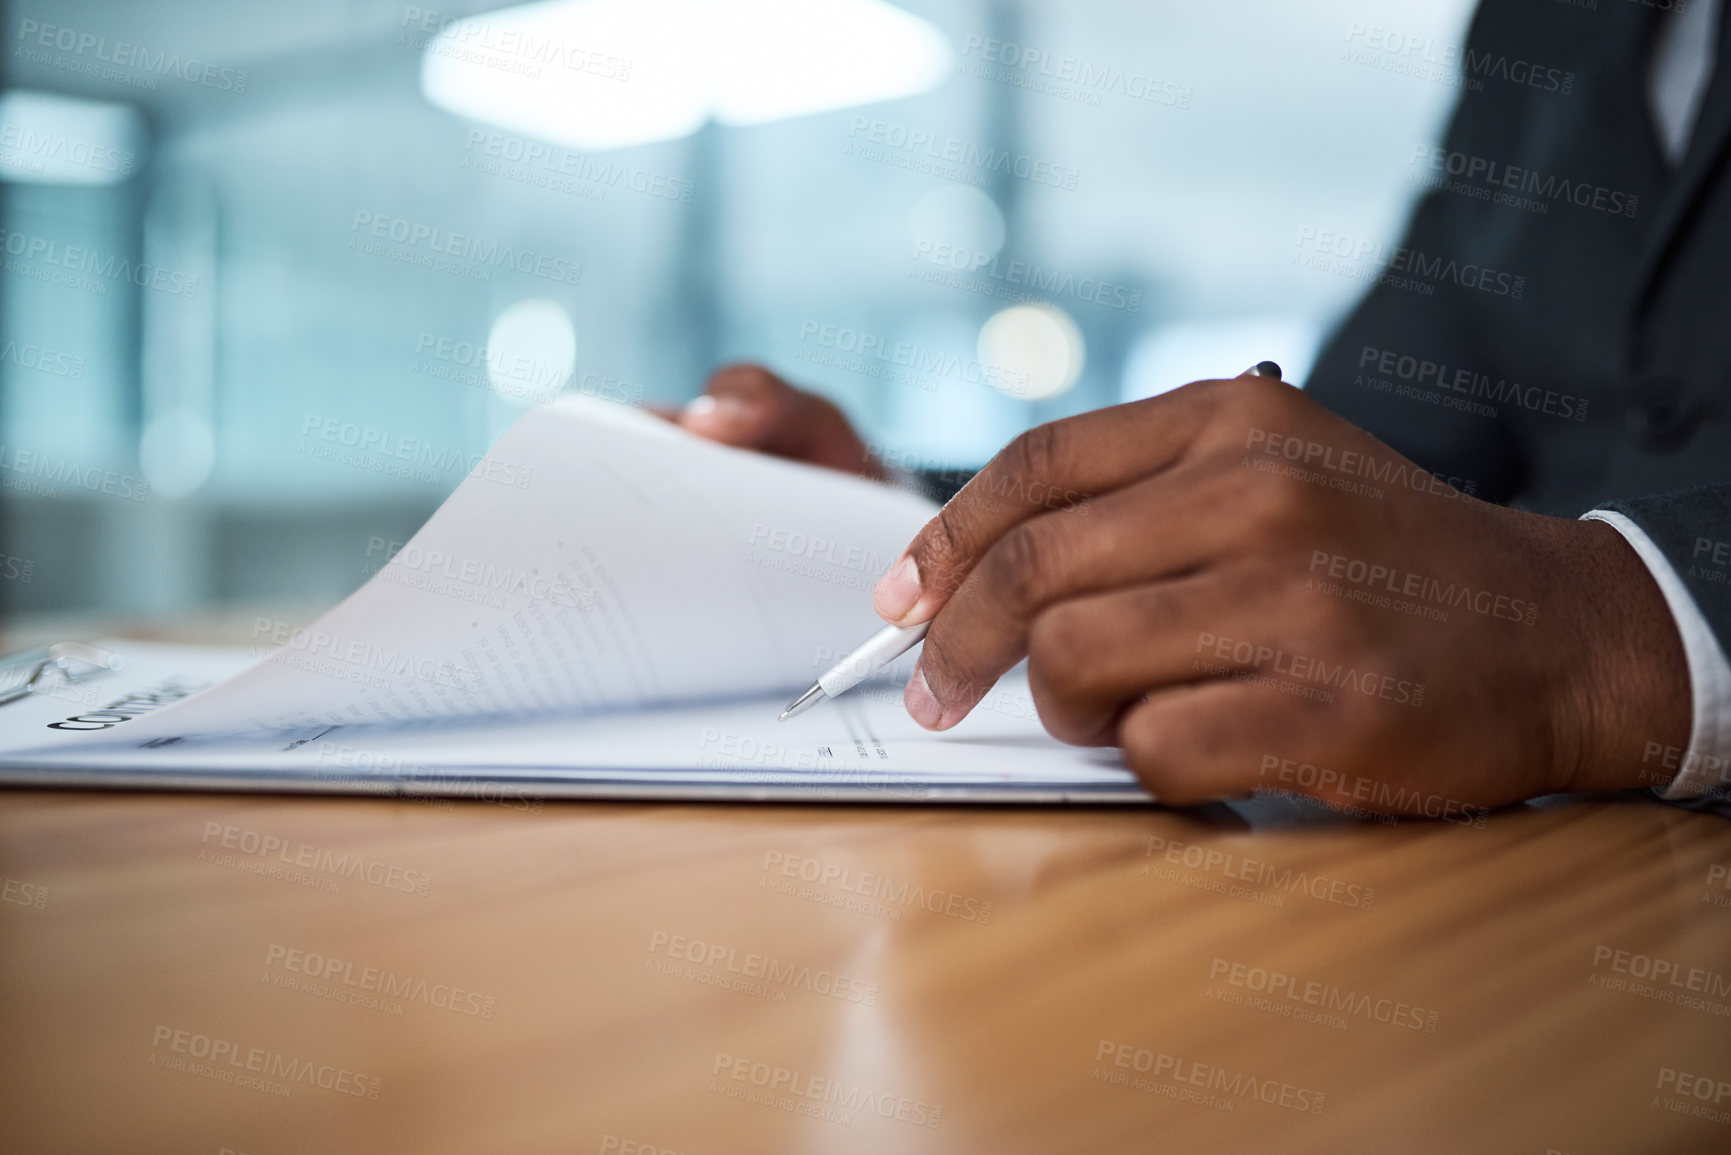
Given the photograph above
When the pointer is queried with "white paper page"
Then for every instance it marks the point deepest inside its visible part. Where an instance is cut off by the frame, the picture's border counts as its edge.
(64, 715)
(863, 739)
(597, 559)
(866, 734)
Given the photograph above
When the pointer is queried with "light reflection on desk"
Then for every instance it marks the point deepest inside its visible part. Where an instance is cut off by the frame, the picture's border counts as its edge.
(1260, 977)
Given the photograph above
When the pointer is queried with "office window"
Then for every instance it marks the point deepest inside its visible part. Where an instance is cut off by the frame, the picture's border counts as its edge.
(275, 275)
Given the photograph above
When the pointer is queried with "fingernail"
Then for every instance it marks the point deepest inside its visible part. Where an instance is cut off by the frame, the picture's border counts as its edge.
(715, 413)
(922, 707)
(897, 590)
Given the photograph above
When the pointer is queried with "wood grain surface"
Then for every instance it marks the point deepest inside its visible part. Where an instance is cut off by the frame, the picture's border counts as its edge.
(268, 975)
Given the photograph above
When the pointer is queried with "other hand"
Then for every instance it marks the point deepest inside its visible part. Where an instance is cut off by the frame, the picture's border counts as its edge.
(749, 407)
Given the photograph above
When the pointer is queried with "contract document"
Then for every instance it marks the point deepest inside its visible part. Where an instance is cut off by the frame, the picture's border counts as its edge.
(606, 606)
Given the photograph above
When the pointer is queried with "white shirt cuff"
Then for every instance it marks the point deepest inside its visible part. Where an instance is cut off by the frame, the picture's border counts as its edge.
(1705, 768)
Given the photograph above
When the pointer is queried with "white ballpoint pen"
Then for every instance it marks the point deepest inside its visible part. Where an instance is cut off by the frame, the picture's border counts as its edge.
(879, 650)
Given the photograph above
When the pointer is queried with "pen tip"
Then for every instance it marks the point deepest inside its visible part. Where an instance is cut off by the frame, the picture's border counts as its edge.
(804, 702)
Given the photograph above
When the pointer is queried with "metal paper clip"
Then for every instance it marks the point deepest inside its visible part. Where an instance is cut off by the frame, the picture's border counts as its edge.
(39, 667)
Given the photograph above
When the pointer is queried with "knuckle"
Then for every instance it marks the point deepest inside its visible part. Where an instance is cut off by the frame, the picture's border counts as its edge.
(1253, 394)
(1270, 501)
(1145, 755)
(1036, 453)
(939, 551)
(1314, 619)
(1073, 723)
(1240, 403)
(1016, 569)
(1186, 751)
(1317, 622)
(1063, 675)
(1247, 502)
(1062, 653)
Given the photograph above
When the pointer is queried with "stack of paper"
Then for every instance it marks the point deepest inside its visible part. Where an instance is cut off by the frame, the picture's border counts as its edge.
(605, 606)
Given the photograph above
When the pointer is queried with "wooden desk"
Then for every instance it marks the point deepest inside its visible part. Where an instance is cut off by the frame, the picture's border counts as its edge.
(181, 974)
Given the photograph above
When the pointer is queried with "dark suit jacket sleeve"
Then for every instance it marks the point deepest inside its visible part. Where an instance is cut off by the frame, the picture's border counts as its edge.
(1679, 524)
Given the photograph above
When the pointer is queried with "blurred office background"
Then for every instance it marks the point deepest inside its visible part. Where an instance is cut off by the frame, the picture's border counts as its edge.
(275, 273)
